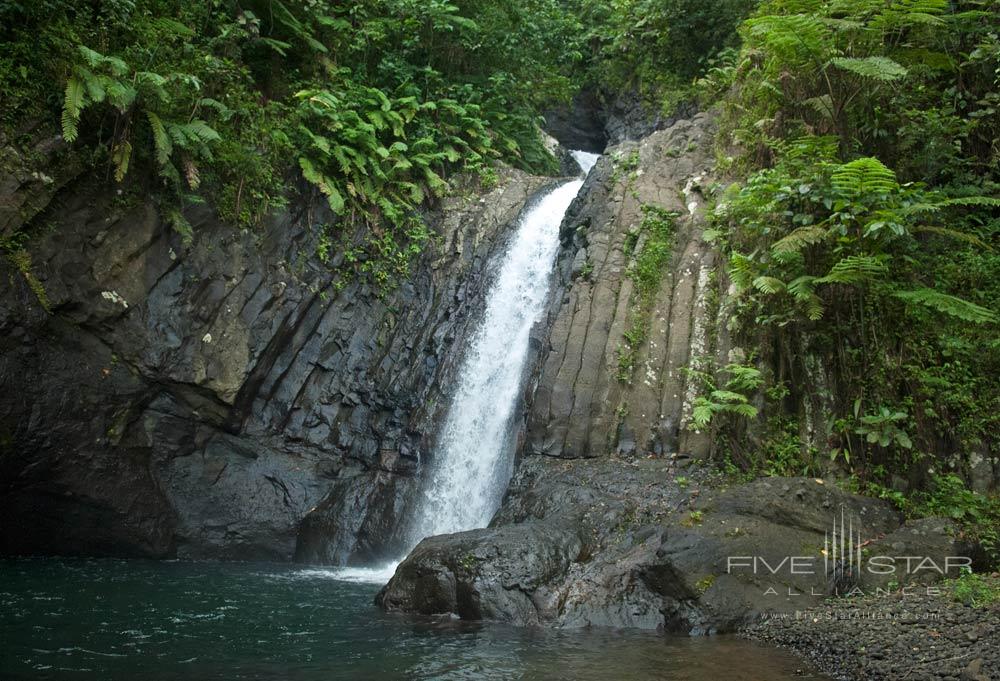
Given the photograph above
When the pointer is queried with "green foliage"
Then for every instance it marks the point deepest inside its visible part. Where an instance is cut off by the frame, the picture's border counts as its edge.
(653, 46)
(974, 589)
(21, 260)
(865, 234)
(733, 398)
(978, 514)
(375, 103)
(885, 428)
(855, 263)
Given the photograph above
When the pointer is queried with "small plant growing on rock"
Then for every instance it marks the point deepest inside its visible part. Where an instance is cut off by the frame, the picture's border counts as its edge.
(704, 584)
(976, 590)
(732, 398)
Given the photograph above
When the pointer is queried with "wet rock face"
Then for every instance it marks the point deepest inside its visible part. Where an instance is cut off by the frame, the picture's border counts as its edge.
(579, 125)
(204, 401)
(585, 403)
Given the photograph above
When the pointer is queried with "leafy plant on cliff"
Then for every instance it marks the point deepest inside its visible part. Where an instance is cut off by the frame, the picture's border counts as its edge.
(733, 397)
(654, 239)
(375, 104)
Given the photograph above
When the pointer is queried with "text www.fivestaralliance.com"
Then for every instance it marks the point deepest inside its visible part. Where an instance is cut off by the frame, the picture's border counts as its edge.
(859, 614)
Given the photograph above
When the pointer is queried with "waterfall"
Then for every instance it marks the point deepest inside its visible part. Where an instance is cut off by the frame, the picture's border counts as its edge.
(472, 462)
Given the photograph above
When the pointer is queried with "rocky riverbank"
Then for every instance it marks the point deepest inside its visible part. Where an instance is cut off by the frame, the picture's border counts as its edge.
(649, 544)
(918, 637)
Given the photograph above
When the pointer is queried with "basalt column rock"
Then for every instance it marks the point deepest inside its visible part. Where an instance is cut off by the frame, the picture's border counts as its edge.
(600, 391)
(203, 400)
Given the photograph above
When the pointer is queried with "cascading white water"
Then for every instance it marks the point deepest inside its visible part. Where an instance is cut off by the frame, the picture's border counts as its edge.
(472, 465)
(472, 462)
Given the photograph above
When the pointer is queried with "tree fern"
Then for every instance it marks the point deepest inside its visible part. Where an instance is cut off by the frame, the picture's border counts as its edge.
(799, 239)
(742, 270)
(802, 290)
(768, 285)
(950, 305)
(791, 38)
(855, 269)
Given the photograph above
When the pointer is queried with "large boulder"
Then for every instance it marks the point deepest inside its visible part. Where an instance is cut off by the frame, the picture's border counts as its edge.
(625, 544)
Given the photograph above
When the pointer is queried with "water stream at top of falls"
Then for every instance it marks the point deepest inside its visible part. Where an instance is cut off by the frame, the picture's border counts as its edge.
(473, 459)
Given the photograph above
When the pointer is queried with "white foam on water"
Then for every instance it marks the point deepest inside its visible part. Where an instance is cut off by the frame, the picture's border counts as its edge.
(584, 159)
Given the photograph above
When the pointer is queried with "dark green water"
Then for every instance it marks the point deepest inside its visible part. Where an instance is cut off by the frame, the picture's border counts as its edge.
(112, 619)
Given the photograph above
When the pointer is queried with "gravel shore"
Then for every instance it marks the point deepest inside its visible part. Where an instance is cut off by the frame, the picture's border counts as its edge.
(892, 637)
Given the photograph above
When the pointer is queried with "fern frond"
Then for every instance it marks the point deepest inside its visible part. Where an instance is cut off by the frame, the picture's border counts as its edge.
(801, 289)
(93, 58)
(120, 94)
(954, 234)
(121, 156)
(180, 225)
(878, 68)
(167, 25)
(728, 396)
(989, 201)
(333, 196)
(199, 129)
(73, 104)
(768, 285)
(792, 38)
(864, 175)
(92, 82)
(741, 269)
(702, 413)
(746, 410)
(855, 269)
(950, 305)
(799, 239)
(161, 141)
(823, 105)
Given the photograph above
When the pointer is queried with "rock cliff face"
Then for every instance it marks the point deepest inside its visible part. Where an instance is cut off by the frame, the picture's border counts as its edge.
(598, 392)
(221, 400)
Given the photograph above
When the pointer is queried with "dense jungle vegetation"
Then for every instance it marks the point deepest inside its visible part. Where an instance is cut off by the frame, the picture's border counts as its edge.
(861, 135)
